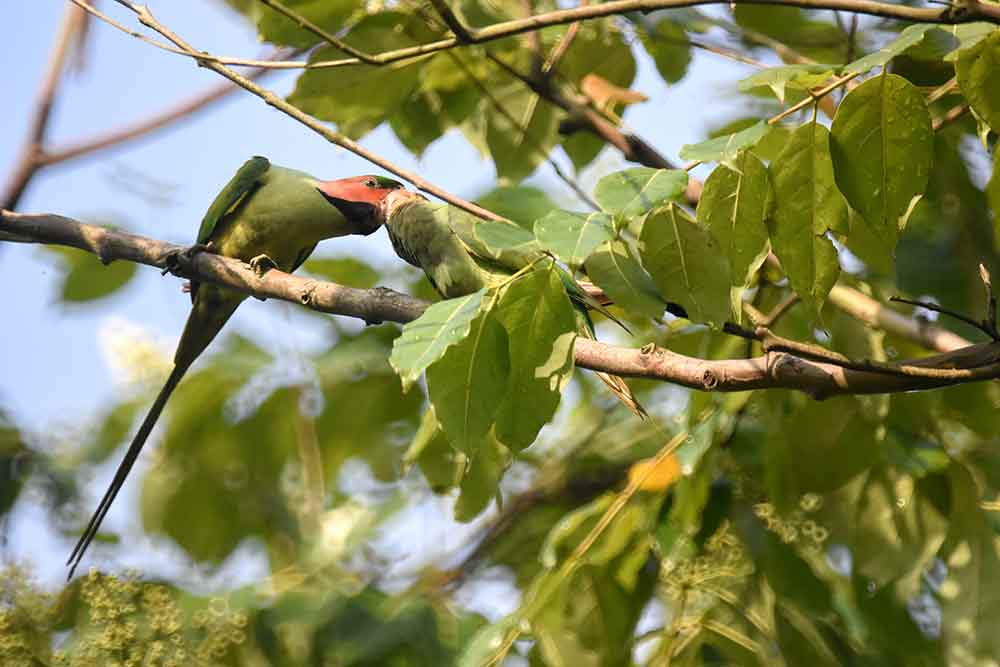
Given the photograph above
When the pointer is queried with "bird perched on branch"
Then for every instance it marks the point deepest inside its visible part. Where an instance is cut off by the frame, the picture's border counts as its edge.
(441, 240)
(271, 217)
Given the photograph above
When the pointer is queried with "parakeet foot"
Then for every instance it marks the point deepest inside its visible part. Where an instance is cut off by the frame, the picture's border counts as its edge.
(261, 264)
(176, 260)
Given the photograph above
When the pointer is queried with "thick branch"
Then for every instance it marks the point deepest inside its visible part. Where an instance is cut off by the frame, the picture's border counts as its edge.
(771, 371)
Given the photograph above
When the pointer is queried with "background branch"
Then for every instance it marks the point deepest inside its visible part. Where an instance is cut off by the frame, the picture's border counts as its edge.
(771, 371)
(29, 159)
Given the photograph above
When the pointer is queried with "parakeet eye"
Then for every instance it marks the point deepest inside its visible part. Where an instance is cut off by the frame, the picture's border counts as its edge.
(371, 183)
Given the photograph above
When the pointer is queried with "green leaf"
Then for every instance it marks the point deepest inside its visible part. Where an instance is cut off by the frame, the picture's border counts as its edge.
(799, 77)
(360, 97)
(441, 465)
(734, 207)
(909, 37)
(725, 149)
(521, 203)
(667, 42)
(971, 591)
(427, 338)
(520, 137)
(978, 72)
(614, 268)
(573, 236)
(582, 147)
(687, 264)
(278, 29)
(468, 383)
(807, 205)
(882, 145)
(419, 121)
(500, 237)
(87, 279)
(968, 35)
(343, 270)
(481, 481)
(541, 328)
(635, 191)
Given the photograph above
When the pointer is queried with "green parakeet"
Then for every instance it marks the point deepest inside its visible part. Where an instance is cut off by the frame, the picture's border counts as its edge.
(266, 215)
(442, 240)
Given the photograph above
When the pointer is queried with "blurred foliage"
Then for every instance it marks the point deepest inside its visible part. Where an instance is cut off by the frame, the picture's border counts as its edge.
(860, 530)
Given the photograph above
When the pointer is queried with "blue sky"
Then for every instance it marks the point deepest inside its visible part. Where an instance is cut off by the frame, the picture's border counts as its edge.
(52, 374)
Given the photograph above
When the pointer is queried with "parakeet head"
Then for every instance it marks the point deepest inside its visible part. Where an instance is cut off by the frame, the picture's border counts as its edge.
(359, 199)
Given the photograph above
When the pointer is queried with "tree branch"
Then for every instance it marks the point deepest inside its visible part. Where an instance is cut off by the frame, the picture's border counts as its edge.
(771, 371)
(29, 160)
(966, 12)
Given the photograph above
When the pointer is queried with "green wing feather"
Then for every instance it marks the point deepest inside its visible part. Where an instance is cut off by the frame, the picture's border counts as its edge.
(242, 183)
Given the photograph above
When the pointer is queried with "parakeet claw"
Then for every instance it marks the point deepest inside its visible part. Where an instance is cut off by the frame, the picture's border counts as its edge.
(176, 260)
(261, 264)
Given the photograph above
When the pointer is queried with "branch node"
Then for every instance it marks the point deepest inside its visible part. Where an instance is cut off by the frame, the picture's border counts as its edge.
(308, 294)
(647, 349)
(709, 379)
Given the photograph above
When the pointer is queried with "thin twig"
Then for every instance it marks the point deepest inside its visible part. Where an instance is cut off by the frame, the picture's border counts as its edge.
(563, 46)
(942, 90)
(990, 323)
(308, 25)
(927, 305)
(813, 97)
(950, 116)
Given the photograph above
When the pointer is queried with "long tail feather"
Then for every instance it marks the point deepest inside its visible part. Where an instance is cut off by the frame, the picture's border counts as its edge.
(124, 467)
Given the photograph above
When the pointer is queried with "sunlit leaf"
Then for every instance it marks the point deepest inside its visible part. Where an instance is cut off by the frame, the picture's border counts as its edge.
(635, 191)
(428, 337)
(910, 36)
(734, 207)
(801, 77)
(541, 328)
(614, 268)
(882, 145)
(687, 264)
(978, 72)
(725, 149)
(573, 236)
(468, 383)
(806, 206)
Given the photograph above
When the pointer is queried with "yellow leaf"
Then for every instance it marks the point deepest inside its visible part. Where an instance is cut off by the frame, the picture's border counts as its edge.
(652, 477)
